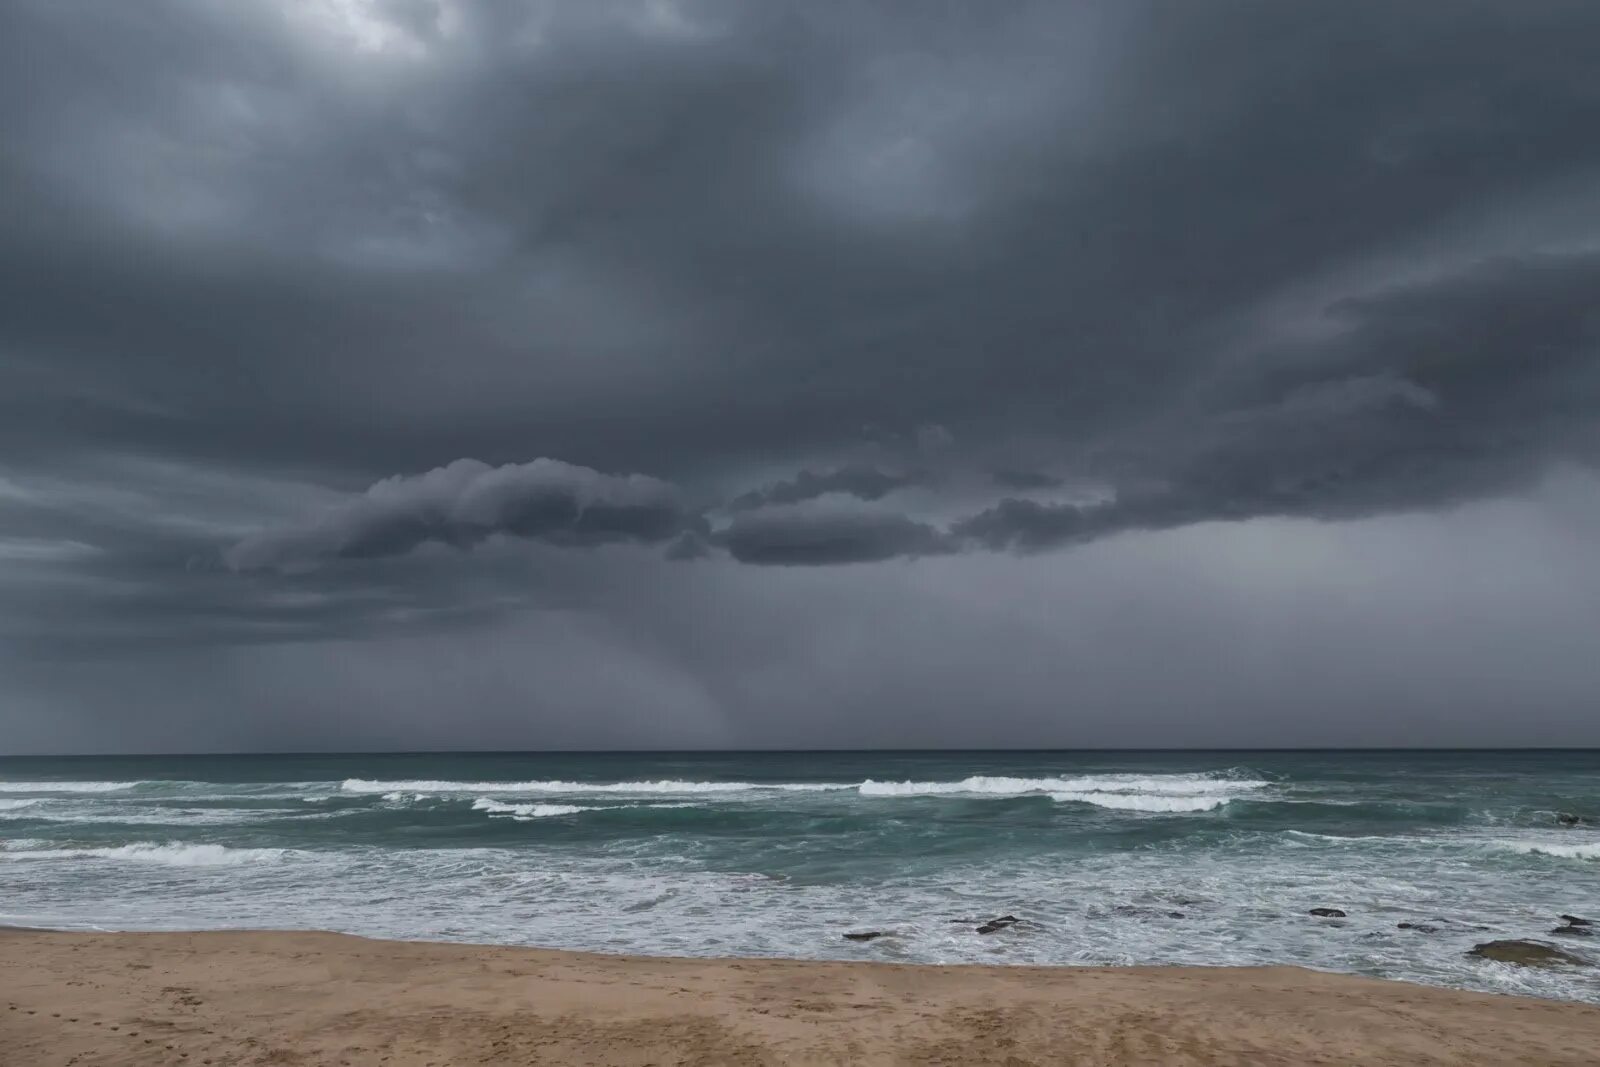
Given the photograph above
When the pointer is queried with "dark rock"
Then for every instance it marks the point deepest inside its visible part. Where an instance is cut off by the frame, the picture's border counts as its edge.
(1525, 954)
(865, 935)
(1146, 913)
(998, 924)
(1573, 931)
(1421, 928)
(1566, 818)
(1573, 920)
(1328, 913)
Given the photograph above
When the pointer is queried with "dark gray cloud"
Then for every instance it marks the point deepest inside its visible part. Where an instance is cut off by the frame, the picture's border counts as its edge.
(1456, 390)
(468, 501)
(862, 482)
(801, 536)
(843, 284)
(1019, 478)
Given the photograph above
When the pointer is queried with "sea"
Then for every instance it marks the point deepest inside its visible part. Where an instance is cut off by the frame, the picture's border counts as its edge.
(1108, 858)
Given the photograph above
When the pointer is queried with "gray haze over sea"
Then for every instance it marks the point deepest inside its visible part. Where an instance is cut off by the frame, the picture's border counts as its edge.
(1112, 857)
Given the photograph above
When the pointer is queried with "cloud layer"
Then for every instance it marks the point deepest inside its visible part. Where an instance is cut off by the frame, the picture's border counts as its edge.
(868, 295)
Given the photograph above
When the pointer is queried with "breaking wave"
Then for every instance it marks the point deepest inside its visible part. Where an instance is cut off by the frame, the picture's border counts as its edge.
(66, 787)
(171, 855)
(1587, 851)
(527, 811)
(1123, 792)
(364, 785)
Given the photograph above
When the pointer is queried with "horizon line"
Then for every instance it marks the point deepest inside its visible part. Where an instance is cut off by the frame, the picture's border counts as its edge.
(332, 753)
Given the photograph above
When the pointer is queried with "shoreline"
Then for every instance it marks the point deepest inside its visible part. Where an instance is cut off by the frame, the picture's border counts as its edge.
(293, 997)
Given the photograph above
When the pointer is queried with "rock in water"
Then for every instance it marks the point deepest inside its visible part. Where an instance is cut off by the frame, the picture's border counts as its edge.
(1525, 954)
(1566, 818)
(1421, 928)
(865, 935)
(1573, 931)
(1573, 920)
(1328, 913)
(998, 924)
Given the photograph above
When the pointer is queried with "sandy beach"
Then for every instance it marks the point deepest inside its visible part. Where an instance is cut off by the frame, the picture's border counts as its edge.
(317, 998)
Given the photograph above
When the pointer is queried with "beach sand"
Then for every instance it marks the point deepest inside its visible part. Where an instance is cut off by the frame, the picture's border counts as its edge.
(316, 998)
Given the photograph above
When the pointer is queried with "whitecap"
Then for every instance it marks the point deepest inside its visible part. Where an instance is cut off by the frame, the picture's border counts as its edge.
(1213, 789)
(527, 811)
(171, 854)
(363, 785)
(66, 787)
(1561, 850)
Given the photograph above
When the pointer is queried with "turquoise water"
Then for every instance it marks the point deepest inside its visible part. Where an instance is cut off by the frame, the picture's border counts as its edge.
(1113, 857)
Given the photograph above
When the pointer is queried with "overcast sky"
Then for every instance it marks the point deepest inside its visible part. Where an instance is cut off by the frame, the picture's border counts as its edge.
(516, 373)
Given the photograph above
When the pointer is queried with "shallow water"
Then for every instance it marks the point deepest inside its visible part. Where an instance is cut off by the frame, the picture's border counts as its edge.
(1115, 858)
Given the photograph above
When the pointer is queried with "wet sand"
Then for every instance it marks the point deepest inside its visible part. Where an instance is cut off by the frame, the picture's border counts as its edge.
(317, 998)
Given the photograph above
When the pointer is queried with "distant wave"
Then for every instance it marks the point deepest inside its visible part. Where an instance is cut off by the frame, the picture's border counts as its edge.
(1588, 851)
(1122, 792)
(364, 785)
(171, 855)
(66, 787)
(13, 805)
(527, 811)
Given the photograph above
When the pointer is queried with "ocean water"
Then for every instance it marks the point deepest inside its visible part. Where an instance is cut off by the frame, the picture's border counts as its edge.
(1112, 857)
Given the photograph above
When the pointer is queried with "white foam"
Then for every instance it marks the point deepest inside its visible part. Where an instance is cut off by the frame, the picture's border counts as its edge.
(527, 811)
(364, 785)
(1127, 792)
(398, 797)
(1215, 789)
(1142, 801)
(171, 855)
(1562, 850)
(66, 787)
(13, 805)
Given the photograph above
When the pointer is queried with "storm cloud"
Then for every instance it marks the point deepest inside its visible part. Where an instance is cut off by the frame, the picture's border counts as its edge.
(468, 501)
(676, 334)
